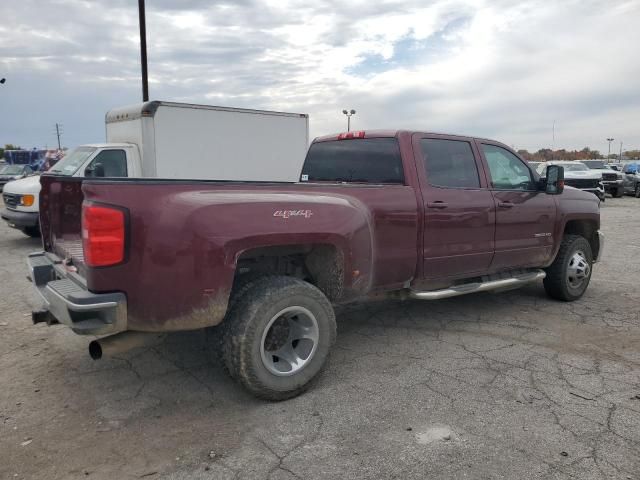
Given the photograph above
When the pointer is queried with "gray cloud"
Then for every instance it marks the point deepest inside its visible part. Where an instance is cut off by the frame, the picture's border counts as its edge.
(496, 69)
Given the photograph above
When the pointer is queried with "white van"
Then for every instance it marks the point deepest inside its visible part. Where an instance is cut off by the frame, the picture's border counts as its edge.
(181, 141)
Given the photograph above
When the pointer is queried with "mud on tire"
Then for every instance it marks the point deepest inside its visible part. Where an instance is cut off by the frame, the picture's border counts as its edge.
(277, 336)
(215, 336)
(570, 273)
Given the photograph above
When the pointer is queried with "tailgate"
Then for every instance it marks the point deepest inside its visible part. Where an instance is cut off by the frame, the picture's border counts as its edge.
(61, 216)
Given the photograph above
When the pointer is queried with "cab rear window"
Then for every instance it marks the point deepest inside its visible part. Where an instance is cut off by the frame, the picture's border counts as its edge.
(367, 160)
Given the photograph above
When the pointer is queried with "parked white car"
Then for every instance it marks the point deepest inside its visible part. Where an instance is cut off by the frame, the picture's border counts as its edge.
(578, 175)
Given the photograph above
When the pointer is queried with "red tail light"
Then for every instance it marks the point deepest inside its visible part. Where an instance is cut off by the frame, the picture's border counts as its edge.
(103, 235)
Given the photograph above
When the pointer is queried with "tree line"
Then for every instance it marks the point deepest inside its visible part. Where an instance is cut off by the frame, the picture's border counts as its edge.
(545, 154)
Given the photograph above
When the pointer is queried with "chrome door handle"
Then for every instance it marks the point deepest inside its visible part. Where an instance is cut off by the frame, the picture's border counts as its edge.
(437, 204)
(505, 204)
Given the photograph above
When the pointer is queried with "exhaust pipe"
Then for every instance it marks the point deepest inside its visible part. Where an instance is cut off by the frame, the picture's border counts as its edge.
(122, 342)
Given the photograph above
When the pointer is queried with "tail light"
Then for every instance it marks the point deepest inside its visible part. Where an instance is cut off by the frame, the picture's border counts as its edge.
(103, 235)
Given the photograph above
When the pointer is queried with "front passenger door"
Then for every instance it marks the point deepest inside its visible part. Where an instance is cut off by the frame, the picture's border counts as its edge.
(114, 163)
(525, 216)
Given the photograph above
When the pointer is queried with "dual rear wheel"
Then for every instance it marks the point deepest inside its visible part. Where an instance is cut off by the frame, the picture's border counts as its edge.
(277, 336)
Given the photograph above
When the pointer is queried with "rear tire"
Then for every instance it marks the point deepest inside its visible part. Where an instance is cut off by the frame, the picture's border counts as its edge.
(215, 336)
(570, 273)
(278, 336)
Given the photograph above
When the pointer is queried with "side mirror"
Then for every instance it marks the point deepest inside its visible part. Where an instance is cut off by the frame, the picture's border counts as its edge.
(555, 180)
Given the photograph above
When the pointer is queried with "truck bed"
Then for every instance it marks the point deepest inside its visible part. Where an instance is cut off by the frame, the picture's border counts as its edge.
(185, 238)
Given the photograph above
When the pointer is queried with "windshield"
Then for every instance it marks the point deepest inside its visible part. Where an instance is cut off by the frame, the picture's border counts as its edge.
(595, 164)
(574, 167)
(72, 161)
(12, 170)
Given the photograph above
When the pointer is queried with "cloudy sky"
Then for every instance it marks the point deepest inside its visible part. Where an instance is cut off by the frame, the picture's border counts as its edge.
(501, 69)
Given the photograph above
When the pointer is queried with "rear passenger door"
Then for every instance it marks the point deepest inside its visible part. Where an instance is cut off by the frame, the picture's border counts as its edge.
(459, 212)
(525, 215)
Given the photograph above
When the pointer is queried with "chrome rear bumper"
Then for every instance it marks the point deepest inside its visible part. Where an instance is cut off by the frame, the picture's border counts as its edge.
(69, 301)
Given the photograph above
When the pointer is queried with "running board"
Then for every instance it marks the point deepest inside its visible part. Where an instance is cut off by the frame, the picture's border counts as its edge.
(506, 283)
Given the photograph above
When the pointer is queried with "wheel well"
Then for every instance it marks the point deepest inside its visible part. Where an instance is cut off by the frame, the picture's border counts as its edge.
(586, 229)
(319, 264)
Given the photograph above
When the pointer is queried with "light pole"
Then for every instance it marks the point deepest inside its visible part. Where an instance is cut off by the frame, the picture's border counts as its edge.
(143, 50)
(609, 140)
(348, 113)
(620, 156)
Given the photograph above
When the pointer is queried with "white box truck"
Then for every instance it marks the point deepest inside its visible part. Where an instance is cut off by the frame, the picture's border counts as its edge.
(180, 141)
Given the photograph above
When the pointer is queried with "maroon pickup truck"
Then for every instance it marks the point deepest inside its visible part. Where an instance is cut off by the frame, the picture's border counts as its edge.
(407, 214)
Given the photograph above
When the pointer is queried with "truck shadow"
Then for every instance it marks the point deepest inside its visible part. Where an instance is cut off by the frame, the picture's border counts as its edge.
(186, 363)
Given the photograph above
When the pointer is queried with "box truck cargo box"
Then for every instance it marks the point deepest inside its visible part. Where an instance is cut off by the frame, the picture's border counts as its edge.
(177, 140)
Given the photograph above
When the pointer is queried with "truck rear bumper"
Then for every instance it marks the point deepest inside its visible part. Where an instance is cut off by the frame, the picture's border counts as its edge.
(67, 299)
(17, 219)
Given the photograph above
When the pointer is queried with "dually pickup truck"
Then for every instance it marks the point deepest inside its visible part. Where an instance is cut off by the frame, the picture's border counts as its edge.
(398, 213)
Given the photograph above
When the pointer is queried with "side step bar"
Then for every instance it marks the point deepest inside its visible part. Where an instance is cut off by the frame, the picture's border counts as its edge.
(506, 283)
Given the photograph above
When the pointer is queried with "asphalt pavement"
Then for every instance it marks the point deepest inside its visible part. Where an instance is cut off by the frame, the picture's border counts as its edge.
(511, 386)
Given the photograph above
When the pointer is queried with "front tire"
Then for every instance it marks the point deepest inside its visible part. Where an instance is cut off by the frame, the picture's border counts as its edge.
(570, 273)
(637, 190)
(278, 337)
(619, 192)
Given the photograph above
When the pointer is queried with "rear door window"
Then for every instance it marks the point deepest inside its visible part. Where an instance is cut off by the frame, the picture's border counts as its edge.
(450, 163)
(368, 160)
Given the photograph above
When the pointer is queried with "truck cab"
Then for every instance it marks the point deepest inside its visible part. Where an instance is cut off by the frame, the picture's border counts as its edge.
(21, 197)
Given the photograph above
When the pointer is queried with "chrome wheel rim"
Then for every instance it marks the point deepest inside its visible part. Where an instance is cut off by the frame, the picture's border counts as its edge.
(578, 270)
(289, 341)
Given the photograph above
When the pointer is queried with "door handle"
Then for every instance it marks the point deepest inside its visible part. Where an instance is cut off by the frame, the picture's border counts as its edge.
(505, 204)
(437, 204)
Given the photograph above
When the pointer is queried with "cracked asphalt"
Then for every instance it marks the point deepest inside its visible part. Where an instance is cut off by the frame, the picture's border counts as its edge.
(509, 385)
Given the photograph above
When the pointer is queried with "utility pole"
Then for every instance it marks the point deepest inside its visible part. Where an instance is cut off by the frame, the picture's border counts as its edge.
(58, 133)
(609, 140)
(553, 141)
(143, 51)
